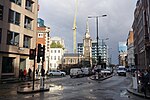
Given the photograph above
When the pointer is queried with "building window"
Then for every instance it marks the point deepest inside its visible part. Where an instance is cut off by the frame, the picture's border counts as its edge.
(58, 51)
(0, 35)
(58, 57)
(51, 57)
(54, 57)
(55, 51)
(1, 12)
(51, 51)
(18, 2)
(12, 38)
(40, 35)
(14, 17)
(28, 23)
(27, 41)
(29, 4)
(7, 65)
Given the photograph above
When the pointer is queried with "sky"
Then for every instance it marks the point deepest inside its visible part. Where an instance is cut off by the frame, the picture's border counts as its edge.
(59, 16)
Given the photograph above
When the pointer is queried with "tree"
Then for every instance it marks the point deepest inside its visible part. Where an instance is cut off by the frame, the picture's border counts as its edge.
(56, 45)
(53, 45)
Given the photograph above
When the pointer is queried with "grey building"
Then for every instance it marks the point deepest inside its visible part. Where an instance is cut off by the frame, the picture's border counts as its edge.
(141, 30)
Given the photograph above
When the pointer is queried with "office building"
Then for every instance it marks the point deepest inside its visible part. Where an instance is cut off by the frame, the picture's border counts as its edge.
(18, 21)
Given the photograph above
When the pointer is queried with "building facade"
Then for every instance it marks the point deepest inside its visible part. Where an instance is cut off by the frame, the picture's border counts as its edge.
(57, 48)
(103, 51)
(141, 30)
(43, 38)
(130, 49)
(18, 21)
(122, 54)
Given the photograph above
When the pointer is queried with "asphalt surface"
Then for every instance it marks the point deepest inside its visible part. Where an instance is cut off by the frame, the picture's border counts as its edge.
(66, 88)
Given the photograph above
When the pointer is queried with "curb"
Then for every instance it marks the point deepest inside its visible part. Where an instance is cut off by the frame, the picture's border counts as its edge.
(33, 91)
(101, 79)
(26, 89)
(137, 94)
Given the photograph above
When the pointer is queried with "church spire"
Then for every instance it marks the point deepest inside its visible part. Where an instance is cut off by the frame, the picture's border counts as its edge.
(87, 34)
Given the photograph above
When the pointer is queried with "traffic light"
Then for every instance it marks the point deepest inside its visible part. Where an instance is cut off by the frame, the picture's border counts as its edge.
(99, 60)
(32, 54)
(41, 53)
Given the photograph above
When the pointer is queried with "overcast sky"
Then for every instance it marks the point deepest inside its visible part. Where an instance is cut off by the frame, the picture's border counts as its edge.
(59, 16)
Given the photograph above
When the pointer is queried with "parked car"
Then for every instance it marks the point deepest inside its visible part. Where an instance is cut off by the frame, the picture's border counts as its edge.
(121, 71)
(56, 73)
(76, 72)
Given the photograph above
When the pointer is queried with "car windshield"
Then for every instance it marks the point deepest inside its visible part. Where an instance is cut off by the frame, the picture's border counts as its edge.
(121, 68)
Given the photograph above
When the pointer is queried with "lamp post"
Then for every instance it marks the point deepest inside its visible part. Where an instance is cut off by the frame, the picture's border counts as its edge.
(97, 31)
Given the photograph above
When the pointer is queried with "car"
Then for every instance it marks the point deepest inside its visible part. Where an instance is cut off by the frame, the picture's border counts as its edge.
(56, 73)
(107, 71)
(76, 72)
(121, 71)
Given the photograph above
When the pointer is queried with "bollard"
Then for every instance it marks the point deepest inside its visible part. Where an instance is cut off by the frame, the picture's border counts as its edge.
(41, 82)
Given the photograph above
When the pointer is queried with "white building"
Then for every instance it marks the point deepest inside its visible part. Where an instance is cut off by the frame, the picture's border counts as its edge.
(56, 52)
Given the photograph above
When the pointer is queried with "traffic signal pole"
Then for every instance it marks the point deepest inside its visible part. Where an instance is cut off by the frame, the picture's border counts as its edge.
(34, 70)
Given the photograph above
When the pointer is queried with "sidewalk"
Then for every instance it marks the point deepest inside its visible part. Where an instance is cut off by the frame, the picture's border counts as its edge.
(137, 93)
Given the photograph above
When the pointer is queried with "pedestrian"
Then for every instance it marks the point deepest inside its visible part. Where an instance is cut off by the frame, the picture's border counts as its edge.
(145, 80)
(25, 73)
(20, 74)
(42, 72)
(29, 73)
(36, 73)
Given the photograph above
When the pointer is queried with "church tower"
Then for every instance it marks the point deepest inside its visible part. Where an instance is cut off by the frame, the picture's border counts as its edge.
(87, 47)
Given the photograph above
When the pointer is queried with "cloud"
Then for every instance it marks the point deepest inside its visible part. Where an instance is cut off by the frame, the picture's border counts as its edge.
(59, 15)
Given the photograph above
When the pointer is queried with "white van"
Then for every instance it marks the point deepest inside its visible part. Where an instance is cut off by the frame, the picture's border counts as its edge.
(121, 70)
(86, 71)
(76, 72)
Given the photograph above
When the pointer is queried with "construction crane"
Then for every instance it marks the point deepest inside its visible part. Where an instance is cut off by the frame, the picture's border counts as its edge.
(75, 27)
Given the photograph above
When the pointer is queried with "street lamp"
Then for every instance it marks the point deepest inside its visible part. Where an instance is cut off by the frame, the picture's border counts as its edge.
(97, 31)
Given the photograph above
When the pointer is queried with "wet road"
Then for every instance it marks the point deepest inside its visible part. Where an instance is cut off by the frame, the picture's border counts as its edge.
(67, 88)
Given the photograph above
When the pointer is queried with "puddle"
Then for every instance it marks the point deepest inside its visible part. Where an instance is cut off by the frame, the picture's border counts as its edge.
(123, 93)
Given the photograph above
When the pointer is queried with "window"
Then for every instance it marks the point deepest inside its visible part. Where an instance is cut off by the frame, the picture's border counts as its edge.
(51, 57)
(27, 41)
(55, 51)
(29, 4)
(12, 38)
(1, 12)
(18, 2)
(51, 51)
(58, 51)
(58, 57)
(14, 17)
(0, 35)
(54, 57)
(7, 65)
(40, 35)
(27, 23)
